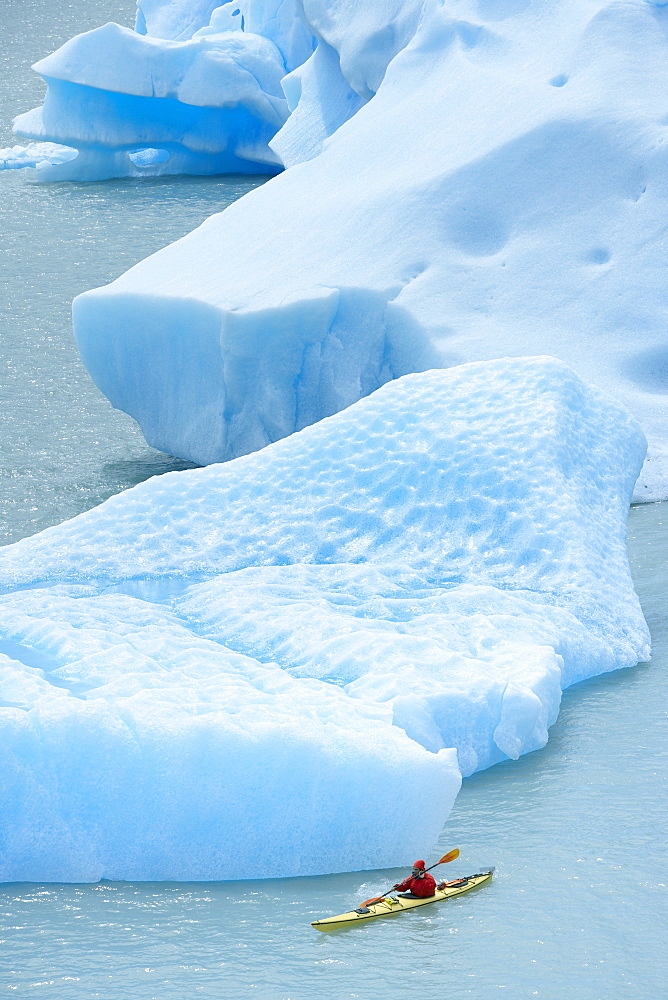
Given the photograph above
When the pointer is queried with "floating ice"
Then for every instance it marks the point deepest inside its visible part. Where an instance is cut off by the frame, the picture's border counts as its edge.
(265, 665)
(36, 154)
(496, 192)
(191, 83)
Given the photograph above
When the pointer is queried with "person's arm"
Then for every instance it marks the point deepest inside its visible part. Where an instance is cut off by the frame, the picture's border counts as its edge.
(403, 886)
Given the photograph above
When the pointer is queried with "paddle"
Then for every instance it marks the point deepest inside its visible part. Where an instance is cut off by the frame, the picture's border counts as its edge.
(444, 860)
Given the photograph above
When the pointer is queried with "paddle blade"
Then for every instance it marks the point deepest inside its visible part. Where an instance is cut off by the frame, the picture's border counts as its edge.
(376, 899)
(448, 857)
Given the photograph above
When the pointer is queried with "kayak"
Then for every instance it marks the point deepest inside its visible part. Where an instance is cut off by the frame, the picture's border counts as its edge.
(392, 904)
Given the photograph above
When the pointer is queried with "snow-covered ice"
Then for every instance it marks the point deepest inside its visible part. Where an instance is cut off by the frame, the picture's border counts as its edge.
(468, 180)
(283, 663)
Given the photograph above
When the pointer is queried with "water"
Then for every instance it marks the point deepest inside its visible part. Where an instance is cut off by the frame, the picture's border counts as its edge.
(577, 830)
(63, 448)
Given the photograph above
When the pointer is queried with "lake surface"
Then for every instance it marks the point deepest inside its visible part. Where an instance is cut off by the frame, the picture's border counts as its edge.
(63, 448)
(577, 831)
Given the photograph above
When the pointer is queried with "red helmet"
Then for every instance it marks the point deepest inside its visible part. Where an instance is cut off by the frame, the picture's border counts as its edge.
(418, 864)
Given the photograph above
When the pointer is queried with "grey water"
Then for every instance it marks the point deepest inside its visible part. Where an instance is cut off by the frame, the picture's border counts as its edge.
(576, 831)
(63, 448)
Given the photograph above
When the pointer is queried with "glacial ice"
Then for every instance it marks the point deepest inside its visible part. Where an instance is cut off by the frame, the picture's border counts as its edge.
(282, 664)
(176, 20)
(468, 180)
(188, 83)
(35, 155)
(320, 100)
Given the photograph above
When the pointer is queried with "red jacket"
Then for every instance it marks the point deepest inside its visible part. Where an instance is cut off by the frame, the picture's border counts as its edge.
(419, 885)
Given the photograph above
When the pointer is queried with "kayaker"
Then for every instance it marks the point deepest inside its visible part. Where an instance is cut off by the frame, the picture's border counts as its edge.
(418, 885)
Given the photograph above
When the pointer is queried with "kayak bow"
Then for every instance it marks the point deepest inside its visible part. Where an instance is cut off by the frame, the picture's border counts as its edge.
(392, 904)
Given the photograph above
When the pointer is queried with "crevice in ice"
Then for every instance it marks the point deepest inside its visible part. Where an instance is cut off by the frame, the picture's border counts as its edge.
(28, 655)
(42, 664)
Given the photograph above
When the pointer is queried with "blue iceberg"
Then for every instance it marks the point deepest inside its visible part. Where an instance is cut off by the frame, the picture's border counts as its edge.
(200, 87)
(285, 663)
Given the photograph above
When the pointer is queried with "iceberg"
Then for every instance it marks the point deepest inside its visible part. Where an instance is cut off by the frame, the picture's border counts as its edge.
(467, 180)
(284, 664)
(194, 90)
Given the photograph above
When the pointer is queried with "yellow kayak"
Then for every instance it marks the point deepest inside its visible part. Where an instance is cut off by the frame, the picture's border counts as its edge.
(392, 904)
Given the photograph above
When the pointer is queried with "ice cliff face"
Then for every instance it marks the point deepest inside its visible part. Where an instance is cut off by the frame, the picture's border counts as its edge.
(468, 180)
(238, 668)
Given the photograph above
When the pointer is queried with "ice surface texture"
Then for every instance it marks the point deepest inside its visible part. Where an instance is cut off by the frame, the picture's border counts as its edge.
(498, 190)
(263, 667)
